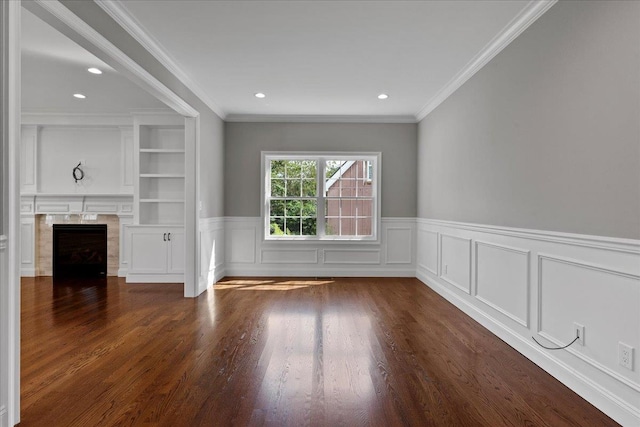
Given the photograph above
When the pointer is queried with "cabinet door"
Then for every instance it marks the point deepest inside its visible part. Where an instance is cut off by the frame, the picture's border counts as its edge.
(148, 251)
(176, 251)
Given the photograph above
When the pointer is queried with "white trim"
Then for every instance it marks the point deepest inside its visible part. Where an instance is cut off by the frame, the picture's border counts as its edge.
(527, 16)
(321, 158)
(134, 279)
(617, 244)
(10, 192)
(3, 243)
(118, 11)
(334, 271)
(76, 119)
(4, 422)
(582, 264)
(466, 290)
(524, 322)
(123, 63)
(292, 118)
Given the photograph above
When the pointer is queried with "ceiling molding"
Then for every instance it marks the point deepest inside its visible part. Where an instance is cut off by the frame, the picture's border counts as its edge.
(118, 11)
(124, 64)
(76, 119)
(529, 14)
(284, 118)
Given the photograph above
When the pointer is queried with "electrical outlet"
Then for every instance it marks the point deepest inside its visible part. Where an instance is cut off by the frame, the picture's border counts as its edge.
(625, 355)
(578, 331)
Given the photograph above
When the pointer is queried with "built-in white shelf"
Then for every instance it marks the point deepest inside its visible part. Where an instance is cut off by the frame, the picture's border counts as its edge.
(161, 175)
(161, 200)
(162, 150)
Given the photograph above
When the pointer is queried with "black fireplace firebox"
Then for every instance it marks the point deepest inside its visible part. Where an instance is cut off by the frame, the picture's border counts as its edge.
(79, 250)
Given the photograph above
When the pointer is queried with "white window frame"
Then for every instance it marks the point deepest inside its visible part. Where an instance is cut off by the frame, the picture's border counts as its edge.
(321, 158)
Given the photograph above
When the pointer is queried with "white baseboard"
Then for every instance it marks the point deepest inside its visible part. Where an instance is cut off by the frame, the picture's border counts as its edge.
(122, 272)
(155, 278)
(28, 272)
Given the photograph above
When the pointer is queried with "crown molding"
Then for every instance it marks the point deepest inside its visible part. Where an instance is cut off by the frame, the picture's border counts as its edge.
(285, 118)
(75, 119)
(119, 13)
(527, 16)
(61, 14)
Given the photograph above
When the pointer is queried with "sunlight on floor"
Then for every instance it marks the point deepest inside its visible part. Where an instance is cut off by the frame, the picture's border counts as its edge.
(269, 285)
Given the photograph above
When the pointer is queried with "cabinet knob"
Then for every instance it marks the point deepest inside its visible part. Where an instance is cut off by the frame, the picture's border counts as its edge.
(164, 237)
(169, 236)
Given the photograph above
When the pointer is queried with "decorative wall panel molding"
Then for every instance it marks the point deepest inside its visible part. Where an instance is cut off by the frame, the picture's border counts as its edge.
(590, 280)
(212, 252)
(502, 279)
(399, 244)
(394, 255)
(455, 261)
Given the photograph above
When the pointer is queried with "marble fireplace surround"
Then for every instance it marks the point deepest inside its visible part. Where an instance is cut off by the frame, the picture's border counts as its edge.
(44, 239)
(40, 211)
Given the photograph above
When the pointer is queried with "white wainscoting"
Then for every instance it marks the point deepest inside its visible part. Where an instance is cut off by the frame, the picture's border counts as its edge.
(524, 283)
(247, 254)
(4, 332)
(212, 252)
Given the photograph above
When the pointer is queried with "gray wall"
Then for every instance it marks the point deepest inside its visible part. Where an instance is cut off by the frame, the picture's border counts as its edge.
(211, 166)
(211, 126)
(547, 135)
(245, 141)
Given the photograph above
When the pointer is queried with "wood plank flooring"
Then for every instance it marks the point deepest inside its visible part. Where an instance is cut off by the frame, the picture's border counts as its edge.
(334, 352)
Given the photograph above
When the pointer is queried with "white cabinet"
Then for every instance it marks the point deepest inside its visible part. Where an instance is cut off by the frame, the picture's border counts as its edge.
(156, 240)
(156, 254)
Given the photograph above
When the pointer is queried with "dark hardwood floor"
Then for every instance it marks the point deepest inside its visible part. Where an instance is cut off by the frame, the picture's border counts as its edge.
(380, 352)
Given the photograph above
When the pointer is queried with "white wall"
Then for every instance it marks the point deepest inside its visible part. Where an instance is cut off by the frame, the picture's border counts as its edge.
(61, 148)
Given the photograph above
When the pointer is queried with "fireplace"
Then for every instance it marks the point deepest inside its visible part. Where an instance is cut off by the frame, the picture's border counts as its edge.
(79, 250)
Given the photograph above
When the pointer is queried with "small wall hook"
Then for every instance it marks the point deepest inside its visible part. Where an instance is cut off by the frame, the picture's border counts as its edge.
(78, 174)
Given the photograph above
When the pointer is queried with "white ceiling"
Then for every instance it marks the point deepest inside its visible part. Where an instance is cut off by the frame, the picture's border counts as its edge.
(54, 68)
(320, 57)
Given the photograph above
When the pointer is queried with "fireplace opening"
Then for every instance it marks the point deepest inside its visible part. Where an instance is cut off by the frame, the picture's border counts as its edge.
(79, 250)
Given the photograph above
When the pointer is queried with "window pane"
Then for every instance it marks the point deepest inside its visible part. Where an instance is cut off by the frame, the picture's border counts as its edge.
(277, 188)
(364, 207)
(309, 208)
(293, 188)
(276, 226)
(308, 188)
(293, 226)
(277, 208)
(293, 169)
(364, 227)
(332, 168)
(294, 207)
(309, 226)
(332, 226)
(309, 169)
(347, 226)
(277, 168)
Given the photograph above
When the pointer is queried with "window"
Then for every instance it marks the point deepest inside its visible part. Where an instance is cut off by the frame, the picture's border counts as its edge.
(332, 196)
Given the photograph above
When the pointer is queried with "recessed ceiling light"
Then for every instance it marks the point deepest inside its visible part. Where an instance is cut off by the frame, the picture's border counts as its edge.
(383, 96)
(79, 96)
(94, 71)
(259, 95)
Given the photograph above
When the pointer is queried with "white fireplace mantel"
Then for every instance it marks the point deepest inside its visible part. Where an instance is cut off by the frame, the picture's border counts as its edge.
(105, 204)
